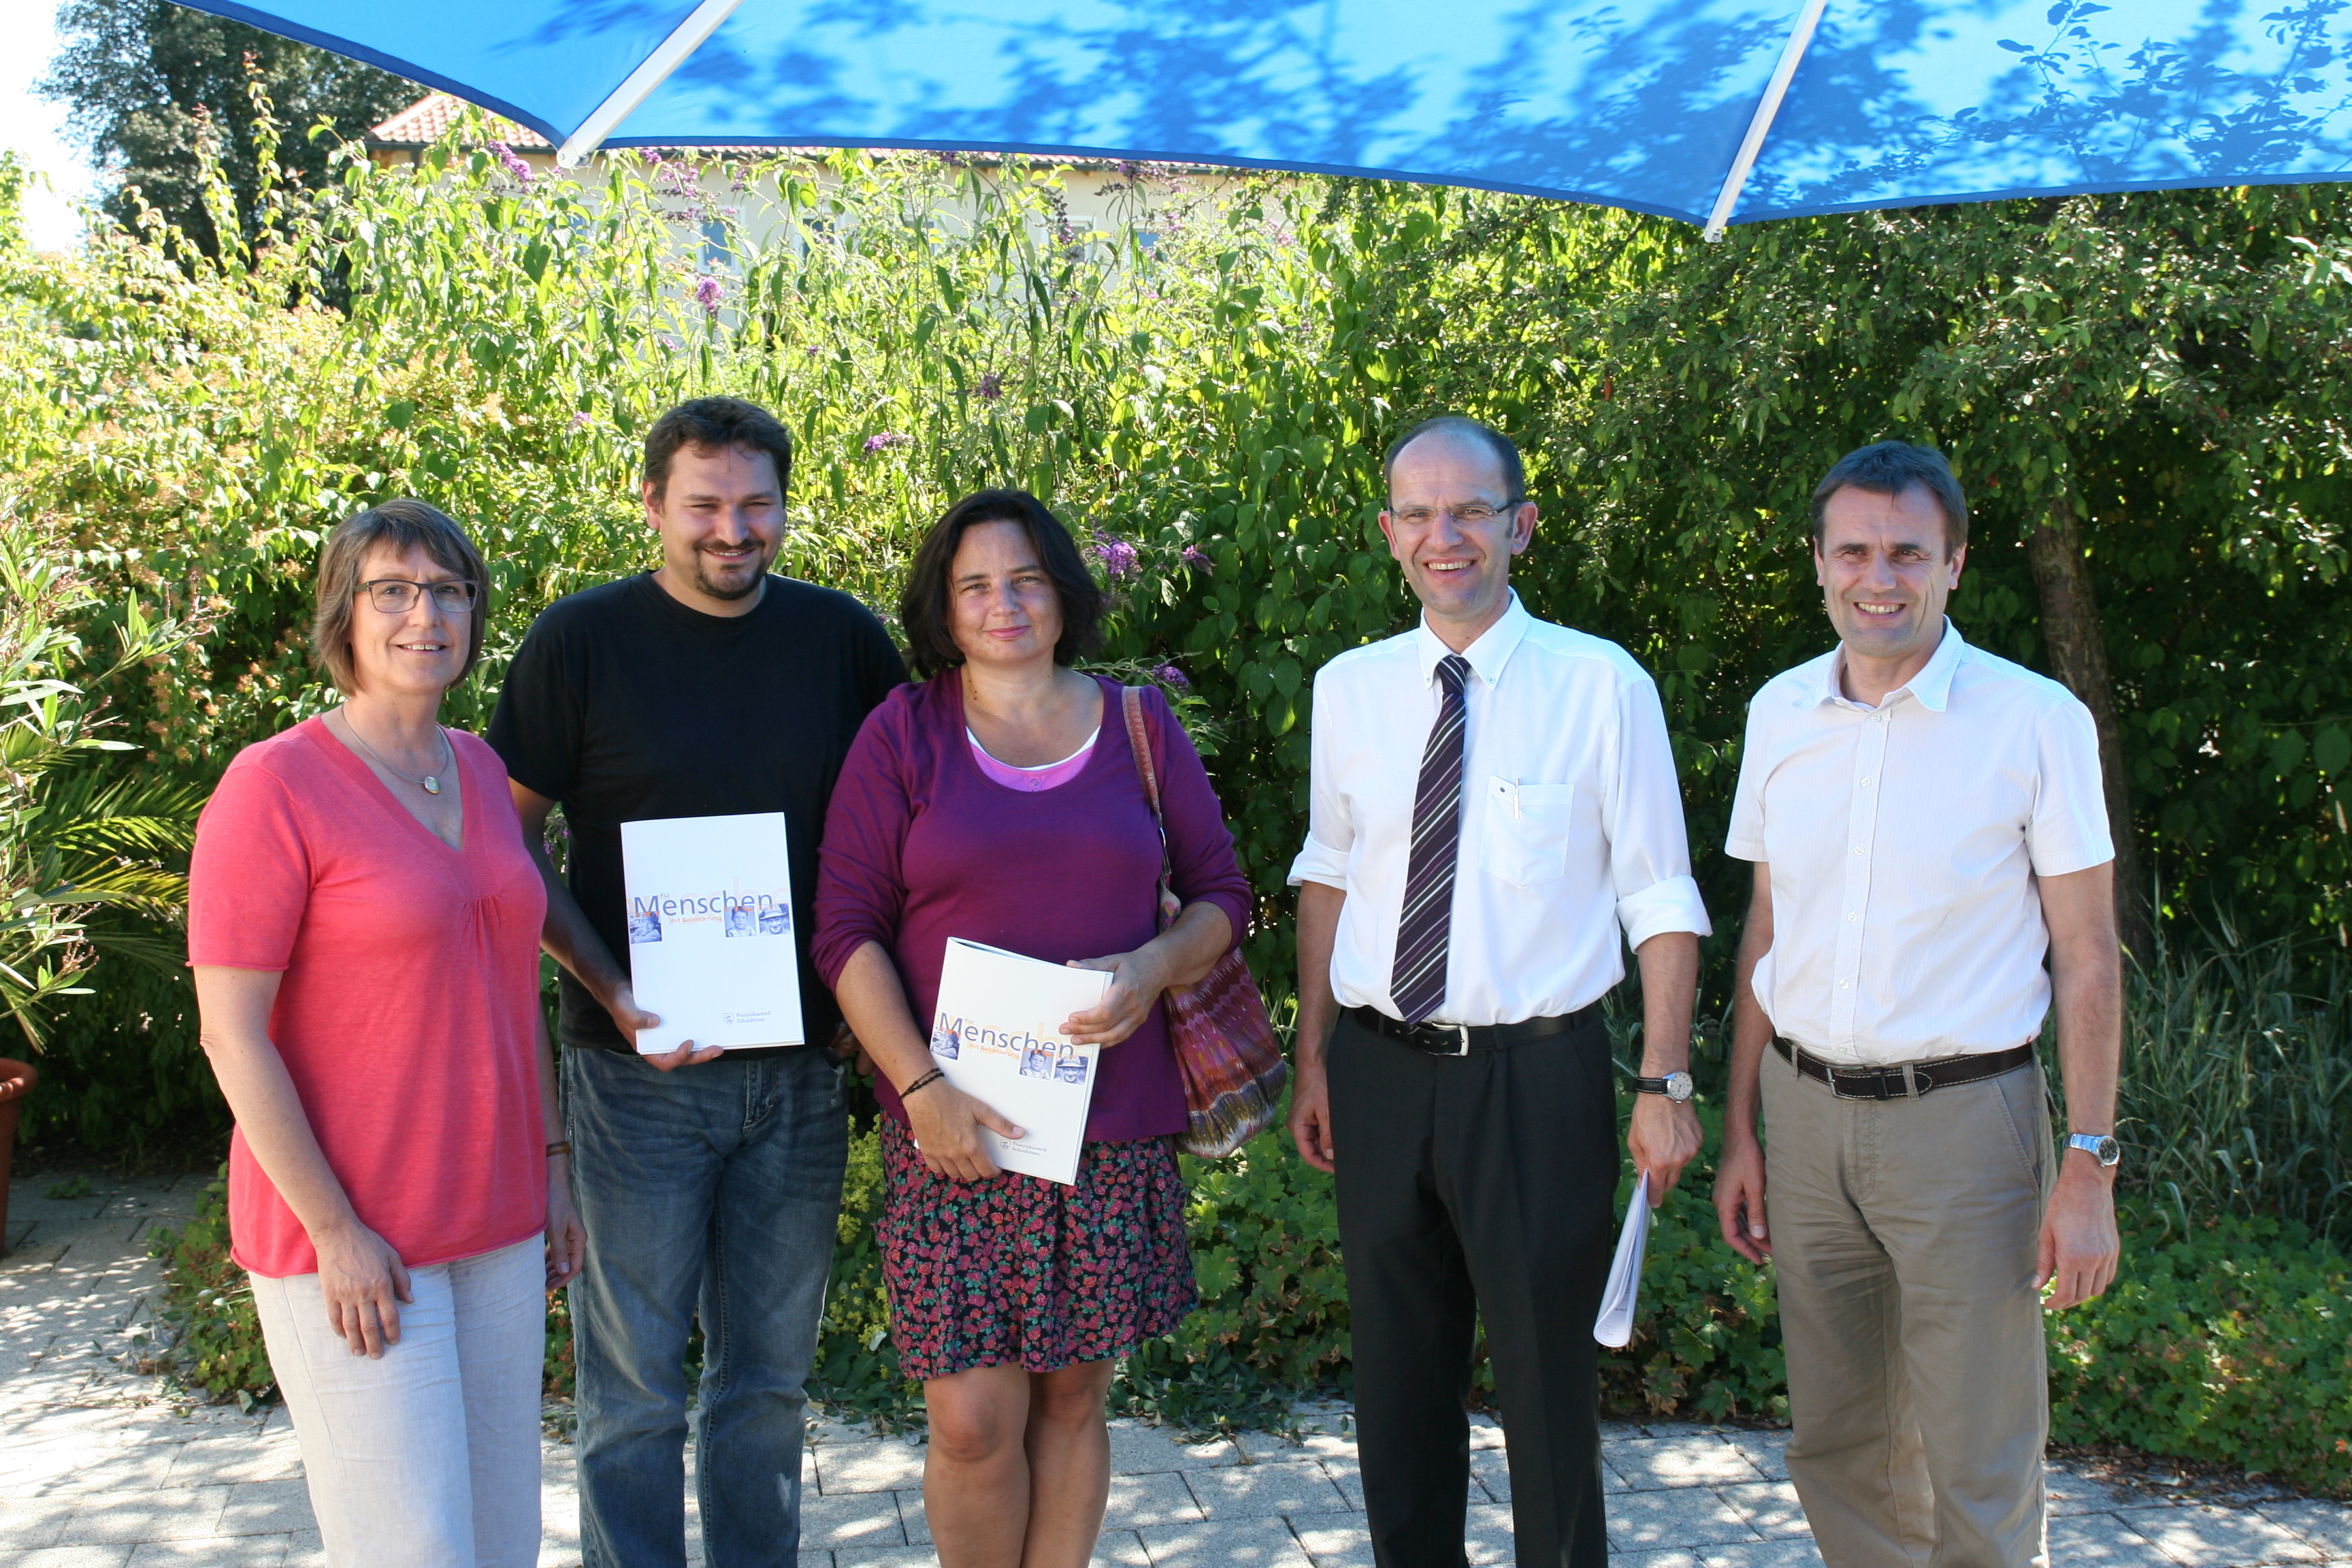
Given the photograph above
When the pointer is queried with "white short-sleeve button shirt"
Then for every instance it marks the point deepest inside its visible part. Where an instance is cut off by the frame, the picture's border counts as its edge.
(1905, 842)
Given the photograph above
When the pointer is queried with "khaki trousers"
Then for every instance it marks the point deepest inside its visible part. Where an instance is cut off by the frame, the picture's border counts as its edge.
(1904, 1241)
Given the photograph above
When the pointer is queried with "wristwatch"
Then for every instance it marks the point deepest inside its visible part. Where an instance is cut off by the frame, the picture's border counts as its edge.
(1675, 1086)
(2100, 1147)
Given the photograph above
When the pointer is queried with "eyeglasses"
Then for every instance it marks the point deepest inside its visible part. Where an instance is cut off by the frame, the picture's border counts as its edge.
(1470, 514)
(397, 596)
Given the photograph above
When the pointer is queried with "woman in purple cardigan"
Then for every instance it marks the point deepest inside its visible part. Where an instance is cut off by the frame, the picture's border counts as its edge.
(998, 800)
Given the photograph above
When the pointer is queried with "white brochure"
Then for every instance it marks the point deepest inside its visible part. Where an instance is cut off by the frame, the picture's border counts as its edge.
(1615, 1324)
(997, 1035)
(711, 931)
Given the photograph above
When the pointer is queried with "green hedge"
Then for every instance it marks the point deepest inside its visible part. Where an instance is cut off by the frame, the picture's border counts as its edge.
(2154, 367)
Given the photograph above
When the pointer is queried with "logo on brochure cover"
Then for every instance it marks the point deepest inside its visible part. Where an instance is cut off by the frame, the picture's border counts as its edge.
(645, 927)
(946, 1040)
(776, 922)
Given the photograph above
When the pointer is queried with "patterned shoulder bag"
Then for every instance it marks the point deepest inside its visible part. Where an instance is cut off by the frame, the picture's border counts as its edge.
(1225, 1048)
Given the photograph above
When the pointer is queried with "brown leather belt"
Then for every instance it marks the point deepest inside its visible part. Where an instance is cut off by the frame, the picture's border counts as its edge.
(1461, 1039)
(1904, 1080)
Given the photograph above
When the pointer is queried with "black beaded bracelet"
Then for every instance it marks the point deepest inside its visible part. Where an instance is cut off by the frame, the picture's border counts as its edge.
(924, 1081)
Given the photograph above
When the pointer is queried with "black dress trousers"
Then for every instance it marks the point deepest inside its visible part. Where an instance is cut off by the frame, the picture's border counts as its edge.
(1470, 1186)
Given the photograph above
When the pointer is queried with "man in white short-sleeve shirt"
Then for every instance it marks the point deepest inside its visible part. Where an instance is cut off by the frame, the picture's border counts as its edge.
(1927, 823)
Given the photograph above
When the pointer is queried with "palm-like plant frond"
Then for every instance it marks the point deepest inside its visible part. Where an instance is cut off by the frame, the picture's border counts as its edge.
(79, 829)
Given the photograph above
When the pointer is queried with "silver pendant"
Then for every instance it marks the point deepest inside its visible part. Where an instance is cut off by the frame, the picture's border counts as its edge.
(431, 785)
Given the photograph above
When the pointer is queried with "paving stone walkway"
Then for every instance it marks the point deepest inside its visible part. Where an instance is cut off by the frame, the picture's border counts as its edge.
(103, 1466)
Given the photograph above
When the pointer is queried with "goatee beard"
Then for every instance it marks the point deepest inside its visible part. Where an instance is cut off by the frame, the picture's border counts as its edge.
(719, 590)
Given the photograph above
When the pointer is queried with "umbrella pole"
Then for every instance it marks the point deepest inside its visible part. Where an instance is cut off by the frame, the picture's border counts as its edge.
(700, 24)
(1799, 38)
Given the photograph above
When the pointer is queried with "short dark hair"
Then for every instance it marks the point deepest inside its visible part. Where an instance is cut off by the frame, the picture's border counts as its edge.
(1890, 467)
(923, 604)
(1506, 454)
(713, 424)
(402, 525)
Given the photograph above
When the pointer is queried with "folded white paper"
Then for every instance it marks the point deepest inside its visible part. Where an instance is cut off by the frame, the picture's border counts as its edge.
(711, 931)
(1615, 1324)
(998, 1036)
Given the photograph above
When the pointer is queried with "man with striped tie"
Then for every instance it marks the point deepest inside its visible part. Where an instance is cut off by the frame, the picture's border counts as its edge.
(1493, 800)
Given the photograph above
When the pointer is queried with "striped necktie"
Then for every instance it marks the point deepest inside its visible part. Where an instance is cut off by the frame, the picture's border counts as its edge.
(1417, 983)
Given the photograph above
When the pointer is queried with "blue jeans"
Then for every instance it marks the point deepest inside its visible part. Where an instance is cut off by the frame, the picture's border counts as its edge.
(714, 1190)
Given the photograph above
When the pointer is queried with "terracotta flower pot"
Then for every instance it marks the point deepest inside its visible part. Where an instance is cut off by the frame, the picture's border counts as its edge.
(16, 1081)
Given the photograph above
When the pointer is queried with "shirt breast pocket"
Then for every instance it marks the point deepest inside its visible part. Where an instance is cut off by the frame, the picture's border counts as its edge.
(1526, 837)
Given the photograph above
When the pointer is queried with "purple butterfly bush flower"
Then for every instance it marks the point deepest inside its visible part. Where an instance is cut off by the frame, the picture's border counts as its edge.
(580, 420)
(1169, 675)
(887, 439)
(513, 164)
(991, 388)
(1118, 556)
(1195, 558)
(706, 294)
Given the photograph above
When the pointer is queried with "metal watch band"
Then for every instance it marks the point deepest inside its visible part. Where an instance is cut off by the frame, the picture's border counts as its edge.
(2100, 1147)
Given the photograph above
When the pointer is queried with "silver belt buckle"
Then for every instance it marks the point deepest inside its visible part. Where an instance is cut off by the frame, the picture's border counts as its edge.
(1460, 1033)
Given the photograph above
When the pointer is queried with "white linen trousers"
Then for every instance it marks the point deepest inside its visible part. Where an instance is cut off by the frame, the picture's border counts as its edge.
(430, 1457)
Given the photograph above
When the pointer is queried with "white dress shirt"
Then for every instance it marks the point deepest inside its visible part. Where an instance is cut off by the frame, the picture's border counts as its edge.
(1571, 817)
(1902, 935)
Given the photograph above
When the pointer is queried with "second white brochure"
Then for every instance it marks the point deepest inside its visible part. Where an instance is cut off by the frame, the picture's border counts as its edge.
(997, 1035)
(711, 931)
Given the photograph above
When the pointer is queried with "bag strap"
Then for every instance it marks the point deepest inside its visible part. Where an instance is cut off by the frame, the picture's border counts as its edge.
(1138, 740)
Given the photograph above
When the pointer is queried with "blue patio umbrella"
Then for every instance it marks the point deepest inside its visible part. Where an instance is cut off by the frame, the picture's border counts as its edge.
(1709, 111)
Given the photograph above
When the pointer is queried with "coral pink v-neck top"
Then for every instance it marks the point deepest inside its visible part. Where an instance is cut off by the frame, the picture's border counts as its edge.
(407, 1014)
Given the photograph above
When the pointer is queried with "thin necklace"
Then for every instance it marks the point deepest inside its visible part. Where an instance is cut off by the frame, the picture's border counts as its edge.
(430, 782)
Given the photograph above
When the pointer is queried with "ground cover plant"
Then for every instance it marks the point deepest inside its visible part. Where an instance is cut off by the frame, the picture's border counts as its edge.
(2138, 390)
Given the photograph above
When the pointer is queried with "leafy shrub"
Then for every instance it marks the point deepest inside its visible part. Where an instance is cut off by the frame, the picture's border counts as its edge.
(76, 836)
(857, 1372)
(1706, 1327)
(1264, 1232)
(2231, 1342)
(2155, 365)
(208, 1305)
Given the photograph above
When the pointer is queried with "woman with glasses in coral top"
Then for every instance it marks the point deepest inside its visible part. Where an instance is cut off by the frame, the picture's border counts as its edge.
(363, 922)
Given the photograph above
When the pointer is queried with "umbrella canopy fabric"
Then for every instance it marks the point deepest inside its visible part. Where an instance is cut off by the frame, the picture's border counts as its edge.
(1659, 106)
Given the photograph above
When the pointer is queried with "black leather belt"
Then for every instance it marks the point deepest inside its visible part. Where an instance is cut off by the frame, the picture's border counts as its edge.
(1904, 1080)
(1461, 1039)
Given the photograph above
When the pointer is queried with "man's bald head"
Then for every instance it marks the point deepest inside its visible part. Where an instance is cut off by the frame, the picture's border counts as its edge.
(1512, 472)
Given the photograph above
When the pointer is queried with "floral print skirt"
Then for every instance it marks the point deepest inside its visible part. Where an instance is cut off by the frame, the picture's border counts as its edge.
(1016, 1271)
